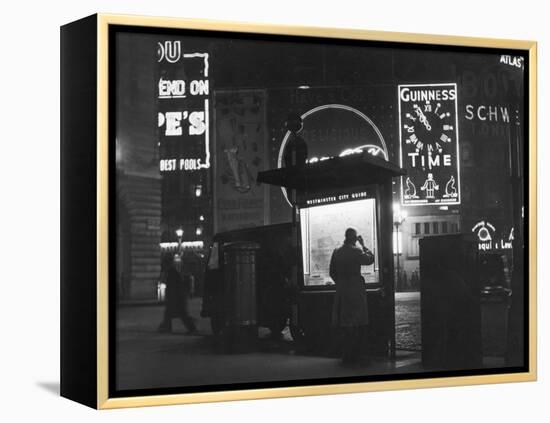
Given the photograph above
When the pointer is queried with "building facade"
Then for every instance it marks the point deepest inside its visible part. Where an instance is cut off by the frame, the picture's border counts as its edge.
(205, 116)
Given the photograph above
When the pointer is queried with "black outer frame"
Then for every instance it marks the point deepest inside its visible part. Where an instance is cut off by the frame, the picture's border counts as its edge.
(79, 211)
(79, 137)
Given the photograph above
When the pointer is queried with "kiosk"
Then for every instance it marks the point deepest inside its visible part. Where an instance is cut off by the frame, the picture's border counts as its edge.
(327, 197)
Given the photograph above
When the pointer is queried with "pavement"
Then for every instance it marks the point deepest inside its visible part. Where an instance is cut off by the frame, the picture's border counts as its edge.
(149, 359)
(407, 321)
(146, 358)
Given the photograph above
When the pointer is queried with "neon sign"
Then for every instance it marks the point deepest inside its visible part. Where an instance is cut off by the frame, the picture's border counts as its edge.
(485, 232)
(370, 148)
(177, 88)
(337, 198)
(184, 108)
(170, 165)
(428, 136)
(375, 150)
(378, 148)
(169, 51)
(186, 245)
(487, 113)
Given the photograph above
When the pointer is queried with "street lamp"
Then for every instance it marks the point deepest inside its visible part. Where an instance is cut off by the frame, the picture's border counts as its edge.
(198, 190)
(179, 234)
(399, 216)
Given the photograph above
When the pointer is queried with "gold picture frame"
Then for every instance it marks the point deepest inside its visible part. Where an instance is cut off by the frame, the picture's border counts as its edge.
(94, 391)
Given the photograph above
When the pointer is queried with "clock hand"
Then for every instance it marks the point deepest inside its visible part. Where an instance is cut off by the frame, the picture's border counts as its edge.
(422, 118)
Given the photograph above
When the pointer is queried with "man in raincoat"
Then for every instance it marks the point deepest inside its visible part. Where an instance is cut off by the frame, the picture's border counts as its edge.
(350, 313)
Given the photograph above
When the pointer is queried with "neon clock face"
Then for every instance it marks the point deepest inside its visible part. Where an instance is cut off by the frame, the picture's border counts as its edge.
(430, 127)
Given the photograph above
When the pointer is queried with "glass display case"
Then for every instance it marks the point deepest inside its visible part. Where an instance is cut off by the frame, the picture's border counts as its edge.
(322, 231)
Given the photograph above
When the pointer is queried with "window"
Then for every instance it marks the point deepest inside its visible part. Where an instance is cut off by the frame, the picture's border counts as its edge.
(435, 226)
(427, 228)
(455, 227)
(444, 228)
(417, 229)
(413, 247)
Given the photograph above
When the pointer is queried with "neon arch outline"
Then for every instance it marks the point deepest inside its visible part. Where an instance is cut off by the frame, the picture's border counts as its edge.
(331, 106)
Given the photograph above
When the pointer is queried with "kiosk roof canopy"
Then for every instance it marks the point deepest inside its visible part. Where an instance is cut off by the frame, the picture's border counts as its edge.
(355, 170)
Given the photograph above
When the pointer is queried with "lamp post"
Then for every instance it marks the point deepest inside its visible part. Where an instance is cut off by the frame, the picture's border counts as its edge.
(179, 234)
(179, 253)
(399, 217)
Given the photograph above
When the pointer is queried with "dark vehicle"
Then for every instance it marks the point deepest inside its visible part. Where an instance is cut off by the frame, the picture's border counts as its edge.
(272, 294)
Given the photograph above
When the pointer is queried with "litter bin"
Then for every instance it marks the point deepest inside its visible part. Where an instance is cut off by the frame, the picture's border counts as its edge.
(495, 306)
(495, 303)
(240, 275)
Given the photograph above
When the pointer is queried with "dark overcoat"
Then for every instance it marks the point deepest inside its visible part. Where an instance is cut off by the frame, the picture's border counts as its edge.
(350, 302)
(177, 292)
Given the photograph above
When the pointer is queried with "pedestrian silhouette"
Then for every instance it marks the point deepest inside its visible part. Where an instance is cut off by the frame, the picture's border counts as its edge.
(178, 289)
(350, 312)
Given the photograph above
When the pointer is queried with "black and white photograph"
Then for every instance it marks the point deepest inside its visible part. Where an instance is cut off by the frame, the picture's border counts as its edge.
(296, 211)
(272, 212)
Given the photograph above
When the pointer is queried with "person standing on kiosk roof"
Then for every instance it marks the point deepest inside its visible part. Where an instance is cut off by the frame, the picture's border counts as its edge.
(295, 153)
(350, 313)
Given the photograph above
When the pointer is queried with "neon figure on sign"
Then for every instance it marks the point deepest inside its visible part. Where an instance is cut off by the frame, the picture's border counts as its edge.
(450, 189)
(410, 192)
(484, 230)
(430, 186)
